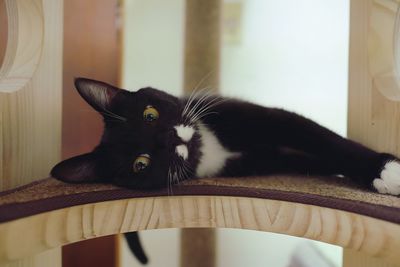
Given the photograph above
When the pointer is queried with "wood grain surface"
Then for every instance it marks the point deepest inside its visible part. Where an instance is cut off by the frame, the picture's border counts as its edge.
(30, 100)
(30, 118)
(25, 42)
(45, 231)
(373, 118)
(3, 30)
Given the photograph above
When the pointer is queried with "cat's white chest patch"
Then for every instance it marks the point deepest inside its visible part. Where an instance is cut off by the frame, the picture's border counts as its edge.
(213, 154)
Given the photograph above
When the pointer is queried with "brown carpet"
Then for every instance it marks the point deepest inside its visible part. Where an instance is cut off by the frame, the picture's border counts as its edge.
(333, 192)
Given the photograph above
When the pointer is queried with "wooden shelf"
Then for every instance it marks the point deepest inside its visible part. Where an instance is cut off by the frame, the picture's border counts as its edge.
(80, 212)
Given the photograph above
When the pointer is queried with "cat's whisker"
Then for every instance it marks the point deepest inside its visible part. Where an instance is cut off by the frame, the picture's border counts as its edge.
(204, 115)
(197, 108)
(202, 101)
(195, 95)
(191, 110)
(178, 175)
(189, 101)
(113, 115)
(204, 111)
(203, 97)
(195, 89)
(202, 80)
(186, 172)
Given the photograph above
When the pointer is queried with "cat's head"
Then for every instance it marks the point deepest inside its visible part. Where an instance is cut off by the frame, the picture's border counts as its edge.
(148, 142)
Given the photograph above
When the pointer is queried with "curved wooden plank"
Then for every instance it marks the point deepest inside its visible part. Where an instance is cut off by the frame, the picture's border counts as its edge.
(52, 229)
(24, 43)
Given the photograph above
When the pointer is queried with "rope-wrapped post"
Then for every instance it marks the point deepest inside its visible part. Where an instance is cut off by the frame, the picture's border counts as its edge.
(201, 69)
(202, 44)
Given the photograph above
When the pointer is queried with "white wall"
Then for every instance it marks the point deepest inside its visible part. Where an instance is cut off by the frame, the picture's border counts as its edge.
(153, 44)
(291, 54)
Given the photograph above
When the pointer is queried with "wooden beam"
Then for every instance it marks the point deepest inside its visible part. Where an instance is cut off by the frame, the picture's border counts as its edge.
(373, 237)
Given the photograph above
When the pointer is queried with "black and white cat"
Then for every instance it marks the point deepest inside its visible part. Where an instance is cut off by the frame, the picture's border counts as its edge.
(153, 140)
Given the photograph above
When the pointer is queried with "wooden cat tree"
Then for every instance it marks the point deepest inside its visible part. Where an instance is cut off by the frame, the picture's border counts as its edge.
(38, 216)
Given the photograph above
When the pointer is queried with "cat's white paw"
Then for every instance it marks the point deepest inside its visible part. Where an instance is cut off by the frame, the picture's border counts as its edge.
(389, 182)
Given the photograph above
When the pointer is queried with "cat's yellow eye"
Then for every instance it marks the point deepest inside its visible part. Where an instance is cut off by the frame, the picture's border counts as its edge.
(141, 163)
(150, 114)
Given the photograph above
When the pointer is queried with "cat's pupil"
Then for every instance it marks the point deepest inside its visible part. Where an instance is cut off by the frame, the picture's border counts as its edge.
(150, 117)
(140, 166)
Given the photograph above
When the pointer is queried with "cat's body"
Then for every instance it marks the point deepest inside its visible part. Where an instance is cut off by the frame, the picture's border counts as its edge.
(265, 140)
(152, 140)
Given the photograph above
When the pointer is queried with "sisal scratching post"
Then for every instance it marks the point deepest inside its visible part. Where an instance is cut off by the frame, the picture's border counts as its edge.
(202, 58)
(202, 44)
(198, 247)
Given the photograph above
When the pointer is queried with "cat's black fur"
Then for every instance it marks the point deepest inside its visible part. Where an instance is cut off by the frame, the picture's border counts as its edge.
(264, 140)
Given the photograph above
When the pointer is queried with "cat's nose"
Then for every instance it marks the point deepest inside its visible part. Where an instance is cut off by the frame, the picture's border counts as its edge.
(169, 138)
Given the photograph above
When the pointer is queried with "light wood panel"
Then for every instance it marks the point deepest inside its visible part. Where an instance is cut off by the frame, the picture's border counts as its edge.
(373, 118)
(3, 30)
(25, 21)
(30, 118)
(30, 100)
(45, 231)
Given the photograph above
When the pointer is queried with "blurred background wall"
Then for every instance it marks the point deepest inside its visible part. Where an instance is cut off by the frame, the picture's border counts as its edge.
(287, 53)
(91, 50)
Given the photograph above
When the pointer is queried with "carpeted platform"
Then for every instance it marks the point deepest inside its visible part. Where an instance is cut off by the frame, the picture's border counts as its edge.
(332, 192)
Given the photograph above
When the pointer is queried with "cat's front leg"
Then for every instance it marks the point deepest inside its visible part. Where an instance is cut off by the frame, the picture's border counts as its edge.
(388, 181)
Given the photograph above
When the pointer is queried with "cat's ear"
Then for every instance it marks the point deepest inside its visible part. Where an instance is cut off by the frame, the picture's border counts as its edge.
(98, 94)
(79, 169)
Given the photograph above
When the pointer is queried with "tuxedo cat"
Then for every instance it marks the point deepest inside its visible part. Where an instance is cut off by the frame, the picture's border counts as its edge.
(153, 140)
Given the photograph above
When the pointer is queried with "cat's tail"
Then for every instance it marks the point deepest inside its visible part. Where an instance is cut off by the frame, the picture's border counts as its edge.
(135, 246)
